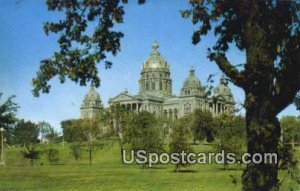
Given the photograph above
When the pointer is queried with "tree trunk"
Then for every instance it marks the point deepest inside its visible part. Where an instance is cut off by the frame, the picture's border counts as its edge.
(263, 133)
(90, 156)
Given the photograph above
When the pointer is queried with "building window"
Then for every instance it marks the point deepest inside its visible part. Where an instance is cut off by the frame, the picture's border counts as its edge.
(160, 85)
(153, 85)
(147, 85)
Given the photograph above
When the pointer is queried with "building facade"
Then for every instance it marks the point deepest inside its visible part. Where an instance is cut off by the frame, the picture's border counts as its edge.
(155, 92)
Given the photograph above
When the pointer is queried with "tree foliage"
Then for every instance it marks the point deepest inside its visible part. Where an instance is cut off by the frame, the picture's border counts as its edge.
(86, 37)
(230, 135)
(143, 132)
(91, 147)
(76, 151)
(74, 131)
(8, 111)
(202, 125)
(269, 33)
(80, 130)
(119, 119)
(291, 129)
(53, 155)
(31, 153)
(26, 132)
(179, 139)
(44, 129)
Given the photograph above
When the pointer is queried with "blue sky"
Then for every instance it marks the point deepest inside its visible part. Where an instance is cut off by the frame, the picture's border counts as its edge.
(23, 44)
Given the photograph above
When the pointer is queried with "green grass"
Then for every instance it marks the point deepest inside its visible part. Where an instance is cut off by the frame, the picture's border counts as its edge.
(109, 173)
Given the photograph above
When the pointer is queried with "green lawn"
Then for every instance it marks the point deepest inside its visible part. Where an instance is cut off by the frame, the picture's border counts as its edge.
(109, 173)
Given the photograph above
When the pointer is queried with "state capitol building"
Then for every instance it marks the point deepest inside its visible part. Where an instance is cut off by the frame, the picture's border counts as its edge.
(155, 93)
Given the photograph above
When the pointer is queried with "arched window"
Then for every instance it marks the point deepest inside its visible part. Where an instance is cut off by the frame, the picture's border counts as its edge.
(160, 85)
(153, 85)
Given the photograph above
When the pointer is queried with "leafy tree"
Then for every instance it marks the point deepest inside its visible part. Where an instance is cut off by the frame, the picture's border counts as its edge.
(202, 125)
(52, 136)
(97, 127)
(8, 110)
(143, 133)
(74, 131)
(230, 134)
(80, 51)
(289, 164)
(268, 32)
(119, 119)
(31, 153)
(92, 146)
(53, 155)
(291, 129)
(179, 137)
(26, 132)
(79, 130)
(44, 130)
(76, 151)
(166, 124)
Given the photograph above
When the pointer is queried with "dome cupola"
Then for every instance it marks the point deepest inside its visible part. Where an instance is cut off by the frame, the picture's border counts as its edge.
(92, 97)
(191, 85)
(155, 61)
(155, 75)
(91, 104)
(223, 91)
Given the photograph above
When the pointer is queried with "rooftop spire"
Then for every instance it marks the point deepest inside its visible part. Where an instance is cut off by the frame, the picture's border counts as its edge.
(223, 80)
(92, 86)
(192, 71)
(155, 47)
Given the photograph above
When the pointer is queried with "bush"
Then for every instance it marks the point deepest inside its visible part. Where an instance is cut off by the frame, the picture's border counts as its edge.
(31, 153)
(76, 151)
(53, 155)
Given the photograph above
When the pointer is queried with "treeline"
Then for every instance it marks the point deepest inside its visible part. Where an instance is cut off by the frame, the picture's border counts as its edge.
(145, 131)
(138, 131)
